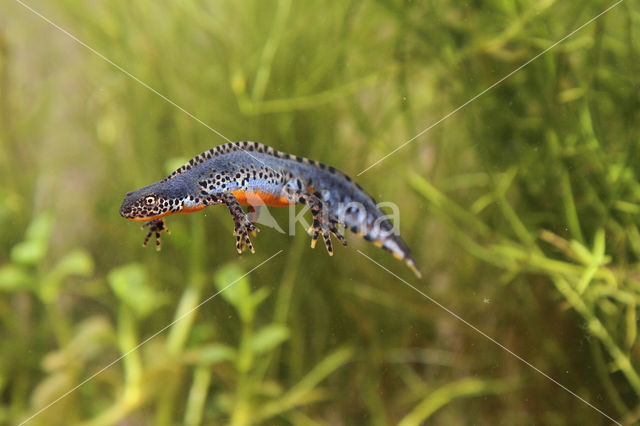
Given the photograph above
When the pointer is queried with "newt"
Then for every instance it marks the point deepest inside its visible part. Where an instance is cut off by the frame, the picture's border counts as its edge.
(252, 174)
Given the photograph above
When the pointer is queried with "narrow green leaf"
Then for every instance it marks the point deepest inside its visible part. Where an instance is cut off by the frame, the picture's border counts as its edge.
(213, 354)
(131, 285)
(269, 337)
(304, 387)
(13, 278)
(449, 392)
(196, 401)
(599, 246)
(40, 228)
(77, 262)
(28, 252)
(582, 253)
(235, 289)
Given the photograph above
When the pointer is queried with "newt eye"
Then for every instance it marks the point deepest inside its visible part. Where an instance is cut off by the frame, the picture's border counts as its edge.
(150, 200)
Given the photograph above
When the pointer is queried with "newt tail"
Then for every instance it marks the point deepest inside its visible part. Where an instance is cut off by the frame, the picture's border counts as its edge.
(253, 174)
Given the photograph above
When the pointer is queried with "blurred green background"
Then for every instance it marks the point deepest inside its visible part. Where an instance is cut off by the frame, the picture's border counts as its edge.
(522, 210)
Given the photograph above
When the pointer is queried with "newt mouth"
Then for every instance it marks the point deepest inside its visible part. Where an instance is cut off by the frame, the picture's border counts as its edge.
(146, 219)
(129, 214)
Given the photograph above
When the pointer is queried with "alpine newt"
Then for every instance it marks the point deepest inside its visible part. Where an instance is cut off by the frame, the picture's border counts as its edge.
(253, 174)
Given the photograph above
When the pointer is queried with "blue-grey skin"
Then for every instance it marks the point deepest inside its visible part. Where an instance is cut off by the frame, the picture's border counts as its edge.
(248, 167)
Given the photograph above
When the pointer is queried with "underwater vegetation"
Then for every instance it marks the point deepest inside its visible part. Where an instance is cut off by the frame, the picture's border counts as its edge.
(521, 205)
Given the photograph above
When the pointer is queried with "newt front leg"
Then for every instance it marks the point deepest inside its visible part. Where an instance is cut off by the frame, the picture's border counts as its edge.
(253, 213)
(155, 226)
(243, 225)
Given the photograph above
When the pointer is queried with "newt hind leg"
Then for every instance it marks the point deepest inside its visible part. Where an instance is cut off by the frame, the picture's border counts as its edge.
(323, 222)
(155, 227)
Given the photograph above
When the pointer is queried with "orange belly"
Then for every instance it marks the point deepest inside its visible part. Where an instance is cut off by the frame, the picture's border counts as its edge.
(258, 198)
(251, 198)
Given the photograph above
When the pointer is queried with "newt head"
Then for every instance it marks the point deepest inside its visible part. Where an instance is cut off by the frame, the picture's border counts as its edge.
(152, 202)
(143, 206)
